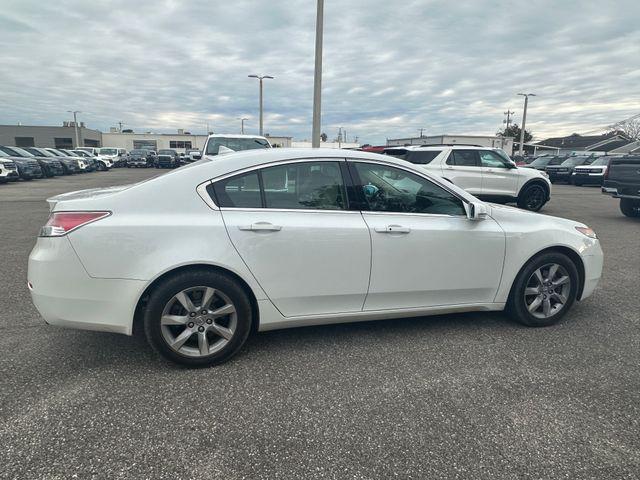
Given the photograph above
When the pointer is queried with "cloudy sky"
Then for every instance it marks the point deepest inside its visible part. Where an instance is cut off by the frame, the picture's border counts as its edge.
(390, 68)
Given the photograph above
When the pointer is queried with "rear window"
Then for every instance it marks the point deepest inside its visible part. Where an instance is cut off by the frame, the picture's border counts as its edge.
(422, 157)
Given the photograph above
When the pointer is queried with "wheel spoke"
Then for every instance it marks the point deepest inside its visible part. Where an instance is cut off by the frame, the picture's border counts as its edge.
(224, 310)
(552, 271)
(538, 274)
(203, 343)
(533, 306)
(560, 281)
(546, 307)
(207, 296)
(224, 332)
(186, 302)
(173, 320)
(181, 339)
(559, 297)
(532, 291)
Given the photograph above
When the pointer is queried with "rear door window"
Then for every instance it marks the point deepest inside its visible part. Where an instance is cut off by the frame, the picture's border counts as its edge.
(241, 191)
(421, 157)
(464, 158)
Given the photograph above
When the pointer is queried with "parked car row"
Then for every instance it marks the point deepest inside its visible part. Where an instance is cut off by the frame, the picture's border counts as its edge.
(622, 181)
(588, 169)
(29, 163)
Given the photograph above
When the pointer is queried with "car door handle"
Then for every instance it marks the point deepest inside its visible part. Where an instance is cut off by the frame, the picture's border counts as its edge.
(260, 227)
(393, 229)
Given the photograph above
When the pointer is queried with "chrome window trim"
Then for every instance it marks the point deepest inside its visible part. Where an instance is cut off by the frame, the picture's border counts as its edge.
(201, 189)
(419, 174)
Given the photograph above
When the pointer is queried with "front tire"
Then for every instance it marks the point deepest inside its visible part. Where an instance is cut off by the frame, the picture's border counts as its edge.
(532, 198)
(630, 207)
(198, 318)
(544, 290)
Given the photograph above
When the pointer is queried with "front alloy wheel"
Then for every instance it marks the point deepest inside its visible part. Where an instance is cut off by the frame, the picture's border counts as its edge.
(544, 290)
(533, 198)
(547, 291)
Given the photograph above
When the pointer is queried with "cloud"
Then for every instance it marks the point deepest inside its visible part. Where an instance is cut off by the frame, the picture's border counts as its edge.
(389, 68)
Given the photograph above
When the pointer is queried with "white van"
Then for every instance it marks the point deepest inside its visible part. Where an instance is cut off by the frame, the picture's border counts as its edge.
(219, 144)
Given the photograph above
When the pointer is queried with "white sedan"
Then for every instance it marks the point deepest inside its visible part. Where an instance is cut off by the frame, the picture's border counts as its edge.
(276, 238)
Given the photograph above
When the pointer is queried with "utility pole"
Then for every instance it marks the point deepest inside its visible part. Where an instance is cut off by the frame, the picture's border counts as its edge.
(75, 124)
(508, 113)
(317, 78)
(261, 77)
(524, 119)
(421, 130)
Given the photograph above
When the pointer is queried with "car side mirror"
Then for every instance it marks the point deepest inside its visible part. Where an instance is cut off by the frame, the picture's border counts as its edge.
(476, 210)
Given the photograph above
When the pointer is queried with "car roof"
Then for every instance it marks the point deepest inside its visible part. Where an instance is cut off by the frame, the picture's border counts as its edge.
(235, 135)
(420, 148)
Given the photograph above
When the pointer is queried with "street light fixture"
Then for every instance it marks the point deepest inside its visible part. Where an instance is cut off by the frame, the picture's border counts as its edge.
(260, 77)
(75, 124)
(524, 119)
(242, 120)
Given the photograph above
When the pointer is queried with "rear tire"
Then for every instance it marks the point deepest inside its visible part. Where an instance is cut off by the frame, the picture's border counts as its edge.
(544, 290)
(183, 335)
(532, 198)
(629, 207)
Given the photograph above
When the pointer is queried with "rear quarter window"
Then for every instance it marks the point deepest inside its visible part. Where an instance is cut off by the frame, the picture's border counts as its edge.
(422, 157)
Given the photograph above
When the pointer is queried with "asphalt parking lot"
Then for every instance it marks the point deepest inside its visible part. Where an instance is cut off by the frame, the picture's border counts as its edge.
(458, 396)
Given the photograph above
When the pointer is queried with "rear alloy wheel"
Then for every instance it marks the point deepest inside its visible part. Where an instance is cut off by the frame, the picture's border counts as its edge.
(532, 198)
(630, 207)
(198, 318)
(544, 290)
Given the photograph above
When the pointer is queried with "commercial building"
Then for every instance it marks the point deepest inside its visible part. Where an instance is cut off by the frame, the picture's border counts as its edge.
(153, 141)
(505, 143)
(55, 137)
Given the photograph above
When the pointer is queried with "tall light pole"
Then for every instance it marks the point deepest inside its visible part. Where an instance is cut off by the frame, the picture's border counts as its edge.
(242, 120)
(317, 78)
(261, 77)
(75, 124)
(524, 119)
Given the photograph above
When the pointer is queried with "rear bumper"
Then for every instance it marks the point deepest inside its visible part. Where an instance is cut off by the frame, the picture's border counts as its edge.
(65, 295)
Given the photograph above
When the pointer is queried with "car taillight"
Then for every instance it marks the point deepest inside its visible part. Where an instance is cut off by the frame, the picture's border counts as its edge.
(606, 170)
(61, 223)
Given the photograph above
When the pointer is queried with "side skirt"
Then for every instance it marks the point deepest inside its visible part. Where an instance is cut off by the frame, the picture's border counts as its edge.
(271, 319)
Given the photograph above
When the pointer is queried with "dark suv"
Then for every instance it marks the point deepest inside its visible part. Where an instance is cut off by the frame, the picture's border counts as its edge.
(141, 158)
(562, 172)
(28, 165)
(168, 159)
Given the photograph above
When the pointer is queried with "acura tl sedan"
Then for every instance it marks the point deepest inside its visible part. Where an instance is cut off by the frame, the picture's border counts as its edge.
(265, 239)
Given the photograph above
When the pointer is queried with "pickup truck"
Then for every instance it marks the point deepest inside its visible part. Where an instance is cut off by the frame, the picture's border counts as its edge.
(622, 180)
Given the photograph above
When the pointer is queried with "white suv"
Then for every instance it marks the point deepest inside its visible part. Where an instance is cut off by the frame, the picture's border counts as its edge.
(485, 172)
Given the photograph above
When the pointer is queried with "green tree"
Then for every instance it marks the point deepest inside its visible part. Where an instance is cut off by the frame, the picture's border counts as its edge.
(514, 131)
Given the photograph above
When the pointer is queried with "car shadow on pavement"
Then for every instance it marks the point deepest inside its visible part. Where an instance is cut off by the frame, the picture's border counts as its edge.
(99, 349)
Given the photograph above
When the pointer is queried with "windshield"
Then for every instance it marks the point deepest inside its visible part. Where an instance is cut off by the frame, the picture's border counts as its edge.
(235, 144)
(3, 153)
(108, 151)
(70, 153)
(572, 161)
(166, 152)
(21, 152)
(138, 152)
(57, 152)
(557, 160)
(601, 161)
(541, 161)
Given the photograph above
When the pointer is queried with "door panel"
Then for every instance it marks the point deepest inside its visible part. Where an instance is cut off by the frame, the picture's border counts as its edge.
(433, 260)
(497, 179)
(463, 169)
(307, 262)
